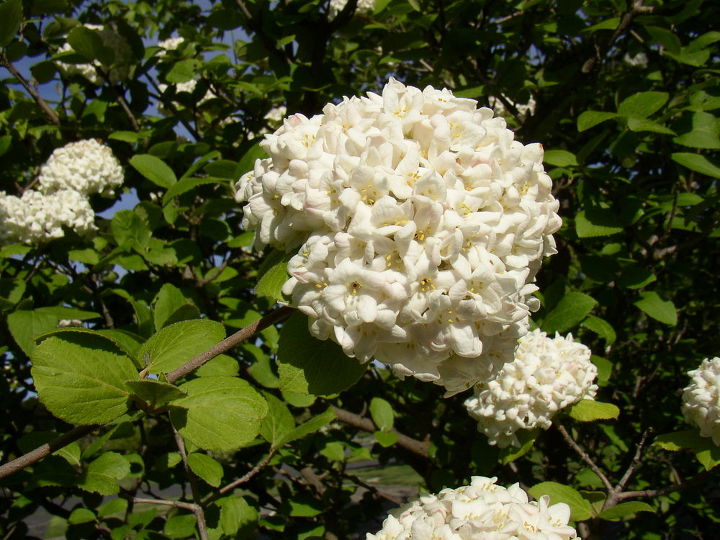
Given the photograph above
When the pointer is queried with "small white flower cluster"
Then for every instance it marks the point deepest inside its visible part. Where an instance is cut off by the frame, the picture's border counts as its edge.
(701, 399)
(547, 375)
(87, 167)
(523, 109)
(170, 44)
(89, 71)
(420, 223)
(363, 6)
(640, 60)
(480, 510)
(187, 87)
(66, 180)
(36, 217)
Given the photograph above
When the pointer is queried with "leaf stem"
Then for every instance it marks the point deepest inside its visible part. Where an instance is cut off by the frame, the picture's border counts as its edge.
(583, 455)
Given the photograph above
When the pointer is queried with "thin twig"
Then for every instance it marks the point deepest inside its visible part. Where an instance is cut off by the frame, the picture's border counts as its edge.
(415, 446)
(198, 510)
(635, 461)
(80, 431)
(244, 478)
(583, 455)
(51, 114)
(120, 98)
(695, 480)
(163, 502)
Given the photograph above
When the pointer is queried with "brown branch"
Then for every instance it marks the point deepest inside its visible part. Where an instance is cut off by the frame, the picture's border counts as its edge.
(230, 342)
(583, 455)
(80, 431)
(120, 98)
(51, 114)
(244, 478)
(198, 511)
(45, 450)
(635, 461)
(698, 479)
(415, 446)
(163, 502)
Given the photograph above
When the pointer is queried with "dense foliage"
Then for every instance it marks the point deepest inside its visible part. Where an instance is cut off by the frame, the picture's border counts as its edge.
(284, 436)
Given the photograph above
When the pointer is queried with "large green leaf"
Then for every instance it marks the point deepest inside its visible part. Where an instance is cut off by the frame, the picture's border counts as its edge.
(308, 365)
(703, 132)
(11, 15)
(273, 275)
(154, 169)
(278, 423)
(219, 413)
(154, 393)
(311, 426)
(569, 312)
(177, 343)
(580, 508)
(205, 467)
(590, 119)
(89, 44)
(130, 230)
(27, 324)
(657, 308)
(171, 305)
(589, 410)
(103, 474)
(642, 104)
(625, 511)
(697, 163)
(237, 518)
(382, 413)
(81, 378)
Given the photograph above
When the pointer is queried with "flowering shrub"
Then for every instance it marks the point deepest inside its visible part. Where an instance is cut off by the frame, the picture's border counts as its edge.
(701, 399)
(419, 225)
(546, 375)
(481, 510)
(363, 6)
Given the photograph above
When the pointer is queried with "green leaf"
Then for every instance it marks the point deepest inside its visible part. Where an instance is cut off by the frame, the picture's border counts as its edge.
(168, 300)
(601, 327)
(625, 511)
(697, 163)
(570, 311)
(635, 277)
(11, 16)
(154, 169)
(181, 526)
(580, 508)
(706, 452)
(25, 324)
(589, 410)
(382, 413)
(590, 119)
(311, 426)
(596, 222)
(642, 104)
(703, 133)
(273, 275)
(560, 158)
(308, 365)
(182, 71)
(261, 369)
(174, 345)
(30, 441)
(81, 378)
(604, 368)
(334, 451)
(154, 393)
(206, 468)
(643, 124)
(526, 438)
(237, 518)
(187, 184)
(130, 230)
(386, 438)
(103, 474)
(81, 515)
(219, 413)
(89, 44)
(115, 507)
(220, 366)
(657, 308)
(278, 423)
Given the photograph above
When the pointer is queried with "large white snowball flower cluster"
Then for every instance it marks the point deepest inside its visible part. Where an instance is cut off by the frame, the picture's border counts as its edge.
(546, 375)
(86, 166)
(418, 223)
(480, 510)
(36, 217)
(701, 399)
(363, 6)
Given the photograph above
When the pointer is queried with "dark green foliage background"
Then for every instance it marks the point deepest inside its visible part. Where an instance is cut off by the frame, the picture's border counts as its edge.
(634, 279)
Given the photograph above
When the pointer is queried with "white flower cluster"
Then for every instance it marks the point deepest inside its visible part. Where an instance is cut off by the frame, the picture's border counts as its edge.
(523, 109)
(188, 87)
(363, 6)
(170, 44)
(36, 217)
(87, 167)
(547, 375)
(70, 175)
(701, 399)
(420, 223)
(480, 510)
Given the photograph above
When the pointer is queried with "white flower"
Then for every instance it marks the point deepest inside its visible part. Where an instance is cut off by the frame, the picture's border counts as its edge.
(481, 510)
(523, 109)
(701, 399)
(170, 44)
(419, 225)
(184, 87)
(546, 375)
(86, 166)
(640, 60)
(36, 217)
(363, 6)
